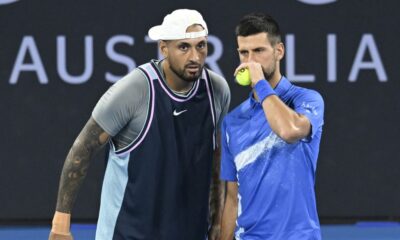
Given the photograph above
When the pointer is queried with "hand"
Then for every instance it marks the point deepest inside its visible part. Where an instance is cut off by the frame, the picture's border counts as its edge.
(256, 71)
(59, 236)
(60, 228)
(214, 233)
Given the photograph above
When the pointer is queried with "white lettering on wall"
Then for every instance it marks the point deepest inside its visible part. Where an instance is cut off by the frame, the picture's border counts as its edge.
(213, 58)
(118, 57)
(29, 59)
(28, 45)
(332, 58)
(62, 61)
(291, 62)
(368, 44)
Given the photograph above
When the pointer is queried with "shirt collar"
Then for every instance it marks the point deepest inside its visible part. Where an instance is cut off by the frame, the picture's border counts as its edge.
(281, 88)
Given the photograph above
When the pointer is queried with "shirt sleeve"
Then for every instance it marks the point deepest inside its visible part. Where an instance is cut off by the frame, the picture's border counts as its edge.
(121, 102)
(222, 97)
(228, 168)
(311, 105)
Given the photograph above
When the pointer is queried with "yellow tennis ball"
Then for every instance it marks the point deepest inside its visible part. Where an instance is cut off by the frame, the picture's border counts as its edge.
(243, 77)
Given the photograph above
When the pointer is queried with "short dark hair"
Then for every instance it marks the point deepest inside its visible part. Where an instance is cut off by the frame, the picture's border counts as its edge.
(255, 23)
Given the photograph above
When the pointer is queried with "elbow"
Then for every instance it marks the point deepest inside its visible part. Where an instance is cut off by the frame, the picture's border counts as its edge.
(293, 131)
(289, 135)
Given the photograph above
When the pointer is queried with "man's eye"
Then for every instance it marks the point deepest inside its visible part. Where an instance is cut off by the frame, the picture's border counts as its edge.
(183, 47)
(201, 45)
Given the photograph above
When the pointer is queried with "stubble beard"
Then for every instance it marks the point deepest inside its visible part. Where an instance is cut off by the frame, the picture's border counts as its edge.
(268, 74)
(181, 73)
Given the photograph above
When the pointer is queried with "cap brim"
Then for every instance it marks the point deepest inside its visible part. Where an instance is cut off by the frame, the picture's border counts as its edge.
(155, 33)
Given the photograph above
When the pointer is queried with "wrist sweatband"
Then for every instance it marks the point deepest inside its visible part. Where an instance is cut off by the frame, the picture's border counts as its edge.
(263, 90)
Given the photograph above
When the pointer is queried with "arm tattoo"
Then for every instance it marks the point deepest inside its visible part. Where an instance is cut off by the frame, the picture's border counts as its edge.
(217, 191)
(89, 141)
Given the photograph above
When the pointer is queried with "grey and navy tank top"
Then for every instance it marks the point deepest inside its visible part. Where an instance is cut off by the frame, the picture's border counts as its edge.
(158, 186)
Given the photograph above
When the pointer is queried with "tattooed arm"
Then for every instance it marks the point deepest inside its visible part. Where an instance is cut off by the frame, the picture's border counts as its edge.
(217, 196)
(91, 139)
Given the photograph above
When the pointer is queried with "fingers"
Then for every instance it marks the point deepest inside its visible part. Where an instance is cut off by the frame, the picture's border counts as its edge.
(60, 229)
(240, 67)
(59, 236)
(256, 71)
(61, 222)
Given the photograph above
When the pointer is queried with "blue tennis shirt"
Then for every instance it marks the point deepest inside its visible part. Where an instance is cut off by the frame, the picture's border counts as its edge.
(275, 179)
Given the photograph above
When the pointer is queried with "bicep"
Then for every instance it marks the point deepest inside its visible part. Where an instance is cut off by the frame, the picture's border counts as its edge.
(127, 99)
(217, 150)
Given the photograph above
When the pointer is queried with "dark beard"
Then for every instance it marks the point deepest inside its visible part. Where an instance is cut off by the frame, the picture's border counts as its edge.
(269, 75)
(186, 78)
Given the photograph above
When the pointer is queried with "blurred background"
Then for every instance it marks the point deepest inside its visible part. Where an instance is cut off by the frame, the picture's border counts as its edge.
(58, 57)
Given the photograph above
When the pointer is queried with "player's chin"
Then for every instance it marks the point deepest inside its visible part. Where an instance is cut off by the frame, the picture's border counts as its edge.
(191, 76)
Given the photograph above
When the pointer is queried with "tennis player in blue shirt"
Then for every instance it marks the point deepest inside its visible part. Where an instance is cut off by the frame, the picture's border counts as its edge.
(270, 145)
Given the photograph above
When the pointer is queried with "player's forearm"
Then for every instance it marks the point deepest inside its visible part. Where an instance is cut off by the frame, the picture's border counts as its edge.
(217, 202)
(217, 191)
(73, 173)
(89, 141)
(229, 219)
(284, 121)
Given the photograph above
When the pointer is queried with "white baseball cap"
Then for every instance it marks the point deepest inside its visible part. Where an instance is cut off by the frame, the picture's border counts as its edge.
(175, 25)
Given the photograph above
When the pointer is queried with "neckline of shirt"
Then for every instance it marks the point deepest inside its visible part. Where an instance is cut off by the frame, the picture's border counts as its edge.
(180, 94)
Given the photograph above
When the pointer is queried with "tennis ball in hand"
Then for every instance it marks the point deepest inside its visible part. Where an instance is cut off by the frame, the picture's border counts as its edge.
(243, 77)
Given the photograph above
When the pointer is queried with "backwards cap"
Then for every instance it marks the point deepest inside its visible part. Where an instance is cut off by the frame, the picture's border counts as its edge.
(175, 25)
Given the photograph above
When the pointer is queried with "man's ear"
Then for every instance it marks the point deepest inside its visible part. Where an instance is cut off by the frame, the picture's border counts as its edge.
(280, 51)
(163, 45)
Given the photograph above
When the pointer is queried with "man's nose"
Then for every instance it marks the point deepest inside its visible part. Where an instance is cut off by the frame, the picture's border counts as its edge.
(250, 57)
(194, 55)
